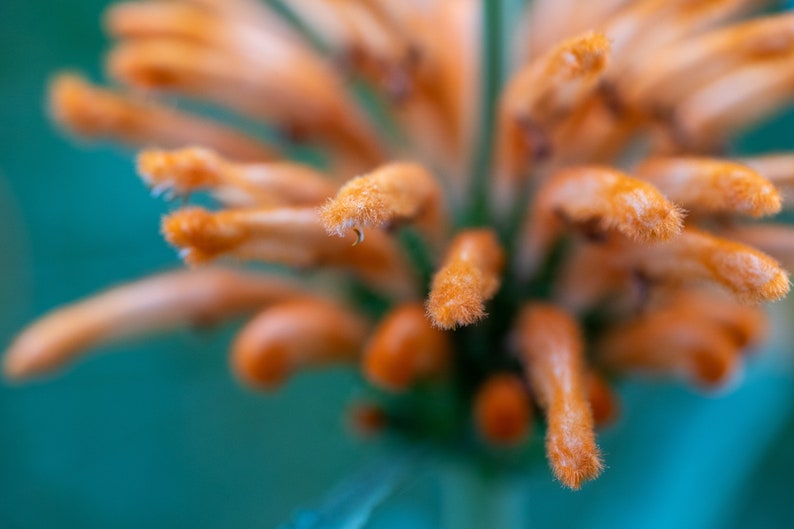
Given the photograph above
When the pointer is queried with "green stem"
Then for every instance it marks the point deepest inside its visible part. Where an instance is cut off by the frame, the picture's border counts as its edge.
(492, 82)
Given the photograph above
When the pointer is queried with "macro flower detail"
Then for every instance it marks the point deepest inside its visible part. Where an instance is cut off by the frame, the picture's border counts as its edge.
(516, 249)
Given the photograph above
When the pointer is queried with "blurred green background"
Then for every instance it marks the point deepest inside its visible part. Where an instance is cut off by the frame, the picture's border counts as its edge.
(156, 434)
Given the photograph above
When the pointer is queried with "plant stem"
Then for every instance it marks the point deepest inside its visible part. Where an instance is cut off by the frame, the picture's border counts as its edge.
(492, 82)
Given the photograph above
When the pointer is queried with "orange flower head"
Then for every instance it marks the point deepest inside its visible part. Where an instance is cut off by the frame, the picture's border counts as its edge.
(447, 233)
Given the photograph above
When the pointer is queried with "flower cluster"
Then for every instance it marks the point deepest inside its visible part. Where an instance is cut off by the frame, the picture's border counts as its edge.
(518, 247)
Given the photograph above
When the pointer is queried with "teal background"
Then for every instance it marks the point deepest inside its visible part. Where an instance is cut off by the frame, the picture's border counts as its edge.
(156, 434)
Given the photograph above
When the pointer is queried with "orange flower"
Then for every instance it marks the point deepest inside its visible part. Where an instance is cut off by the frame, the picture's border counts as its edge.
(486, 223)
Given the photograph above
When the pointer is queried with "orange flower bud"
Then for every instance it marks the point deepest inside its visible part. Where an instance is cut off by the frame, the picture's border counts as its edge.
(603, 400)
(502, 410)
(366, 419)
(295, 335)
(405, 348)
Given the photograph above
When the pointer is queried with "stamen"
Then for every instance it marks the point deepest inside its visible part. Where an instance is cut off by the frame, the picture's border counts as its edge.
(292, 236)
(405, 348)
(271, 184)
(292, 336)
(600, 197)
(393, 193)
(470, 276)
(712, 186)
(155, 304)
(748, 274)
(96, 113)
(502, 410)
(550, 345)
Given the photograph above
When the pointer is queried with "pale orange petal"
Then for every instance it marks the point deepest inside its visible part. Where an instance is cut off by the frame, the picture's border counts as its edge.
(469, 277)
(158, 303)
(272, 184)
(550, 345)
(295, 335)
(96, 113)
